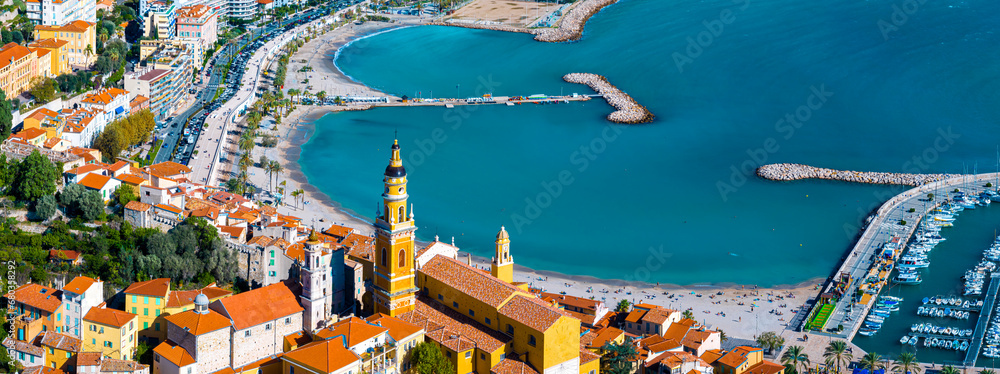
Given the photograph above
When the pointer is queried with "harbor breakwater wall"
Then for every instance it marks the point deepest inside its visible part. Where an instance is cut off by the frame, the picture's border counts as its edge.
(570, 26)
(790, 172)
(629, 111)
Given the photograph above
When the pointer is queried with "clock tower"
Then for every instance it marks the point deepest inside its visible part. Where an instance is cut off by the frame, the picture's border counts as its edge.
(395, 277)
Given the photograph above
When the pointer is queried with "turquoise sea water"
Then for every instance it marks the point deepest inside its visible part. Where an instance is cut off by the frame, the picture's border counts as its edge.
(673, 201)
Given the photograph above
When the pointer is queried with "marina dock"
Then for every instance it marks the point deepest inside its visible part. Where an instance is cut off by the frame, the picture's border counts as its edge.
(892, 223)
(983, 323)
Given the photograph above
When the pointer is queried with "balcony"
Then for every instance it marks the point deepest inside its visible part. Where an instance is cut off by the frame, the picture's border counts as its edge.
(380, 360)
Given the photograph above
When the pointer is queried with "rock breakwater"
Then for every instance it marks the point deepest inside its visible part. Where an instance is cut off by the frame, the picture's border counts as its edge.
(629, 111)
(789, 172)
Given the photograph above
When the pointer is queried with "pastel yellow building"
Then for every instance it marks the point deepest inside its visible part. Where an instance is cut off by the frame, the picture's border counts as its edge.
(151, 301)
(111, 332)
(82, 38)
(46, 120)
(482, 322)
(18, 66)
(60, 350)
(395, 287)
(57, 52)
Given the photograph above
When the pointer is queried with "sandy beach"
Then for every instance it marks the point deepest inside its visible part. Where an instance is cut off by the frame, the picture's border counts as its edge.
(740, 310)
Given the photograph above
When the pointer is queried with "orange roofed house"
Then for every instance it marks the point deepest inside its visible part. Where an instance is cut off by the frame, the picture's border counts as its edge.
(37, 310)
(18, 66)
(647, 319)
(80, 34)
(740, 360)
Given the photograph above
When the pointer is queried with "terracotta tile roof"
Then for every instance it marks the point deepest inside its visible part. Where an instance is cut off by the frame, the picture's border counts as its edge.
(606, 335)
(298, 339)
(325, 356)
(41, 369)
(268, 210)
(574, 301)
(87, 168)
(198, 324)
(765, 367)
(131, 179)
(28, 134)
(60, 341)
(635, 316)
(588, 356)
(695, 338)
(338, 231)
(737, 356)
(68, 254)
(157, 287)
(88, 358)
(360, 246)
(532, 312)
(138, 100)
(452, 329)
(154, 74)
(178, 299)
(262, 305)
(398, 329)
(94, 181)
(104, 96)
(585, 319)
(673, 359)
(658, 315)
(110, 317)
(169, 208)
(41, 113)
(234, 232)
(678, 330)
(12, 52)
(174, 353)
(45, 298)
(355, 329)
(20, 346)
(711, 356)
(167, 169)
(511, 366)
(75, 26)
(466, 279)
(587, 338)
(137, 206)
(111, 365)
(262, 240)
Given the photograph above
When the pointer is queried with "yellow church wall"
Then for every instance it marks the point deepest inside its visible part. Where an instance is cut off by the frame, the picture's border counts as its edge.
(448, 296)
(561, 341)
(483, 366)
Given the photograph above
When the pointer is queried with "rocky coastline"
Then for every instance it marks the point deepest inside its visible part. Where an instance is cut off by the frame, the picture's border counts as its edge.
(790, 172)
(629, 111)
(570, 26)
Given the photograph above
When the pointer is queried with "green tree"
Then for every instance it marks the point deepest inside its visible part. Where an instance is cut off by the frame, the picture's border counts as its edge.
(35, 177)
(618, 358)
(906, 364)
(623, 306)
(770, 341)
(6, 116)
(987, 371)
(688, 314)
(428, 359)
(125, 194)
(91, 205)
(45, 207)
(948, 369)
(872, 361)
(796, 357)
(836, 354)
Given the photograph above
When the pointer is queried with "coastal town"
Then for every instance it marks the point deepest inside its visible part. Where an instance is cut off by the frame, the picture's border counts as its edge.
(156, 220)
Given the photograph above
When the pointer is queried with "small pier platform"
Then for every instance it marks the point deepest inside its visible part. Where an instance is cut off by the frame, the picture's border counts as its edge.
(984, 320)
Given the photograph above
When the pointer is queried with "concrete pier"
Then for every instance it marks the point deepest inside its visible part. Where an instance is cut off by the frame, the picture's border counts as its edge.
(629, 111)
(789, 172)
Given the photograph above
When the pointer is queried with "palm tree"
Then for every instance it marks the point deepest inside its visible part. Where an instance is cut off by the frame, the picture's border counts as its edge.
(836, 354)
(948, 369)
(872, 361)
(321, 95)
(906, 363)
(688, 314)
(246, 144)
(987, 371)
(295, 195)
(293, 92)
(276, 169)
(302, 196)
(796, 356)
(245, 161)
(242, 177)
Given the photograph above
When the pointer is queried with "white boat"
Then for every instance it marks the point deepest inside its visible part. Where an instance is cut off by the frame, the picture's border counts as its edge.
(905, 339)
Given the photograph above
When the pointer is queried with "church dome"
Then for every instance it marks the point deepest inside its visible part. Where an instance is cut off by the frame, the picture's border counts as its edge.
(502, 234)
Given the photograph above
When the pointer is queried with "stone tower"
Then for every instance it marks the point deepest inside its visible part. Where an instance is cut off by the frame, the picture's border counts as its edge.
(316, 277)
(502, 266)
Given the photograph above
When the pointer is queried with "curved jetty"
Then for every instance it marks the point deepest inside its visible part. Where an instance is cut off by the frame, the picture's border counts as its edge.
(789, 172)
(570, 26)
(629, 111)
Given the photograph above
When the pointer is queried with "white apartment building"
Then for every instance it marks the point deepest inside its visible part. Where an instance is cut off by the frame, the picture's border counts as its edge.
(79, 295)
(59, 12)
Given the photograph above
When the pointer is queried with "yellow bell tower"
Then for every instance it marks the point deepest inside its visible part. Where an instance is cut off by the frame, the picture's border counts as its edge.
(395, 278)
(502, 266)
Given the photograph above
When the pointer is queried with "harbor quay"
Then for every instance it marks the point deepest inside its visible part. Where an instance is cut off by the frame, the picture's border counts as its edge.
(854, 287)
